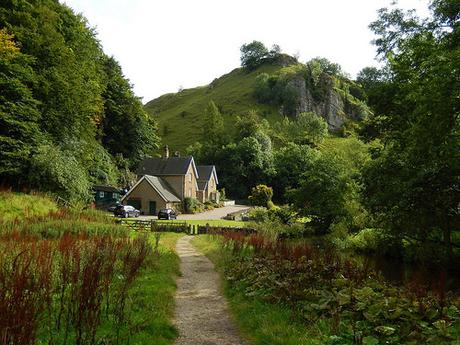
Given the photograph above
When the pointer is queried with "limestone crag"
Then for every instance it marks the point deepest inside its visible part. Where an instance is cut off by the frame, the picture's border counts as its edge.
(332, 107)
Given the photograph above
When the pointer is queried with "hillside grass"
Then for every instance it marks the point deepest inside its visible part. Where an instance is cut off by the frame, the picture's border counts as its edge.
(19, 205)
(181, 115)
(261, 323)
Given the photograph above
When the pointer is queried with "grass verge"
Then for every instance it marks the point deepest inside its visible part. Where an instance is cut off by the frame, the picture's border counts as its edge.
(260, 322)
(153, 293)
(213, 222)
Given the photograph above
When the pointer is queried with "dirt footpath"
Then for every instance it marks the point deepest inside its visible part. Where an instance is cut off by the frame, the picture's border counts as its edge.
(201, 314)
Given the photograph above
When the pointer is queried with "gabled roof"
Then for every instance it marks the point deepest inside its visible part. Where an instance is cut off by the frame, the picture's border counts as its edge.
(202, 184)
(205, 172)
(166, 166)
(161, 186)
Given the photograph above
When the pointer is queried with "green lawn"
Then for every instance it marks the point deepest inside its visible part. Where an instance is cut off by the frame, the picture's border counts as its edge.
(260, 322)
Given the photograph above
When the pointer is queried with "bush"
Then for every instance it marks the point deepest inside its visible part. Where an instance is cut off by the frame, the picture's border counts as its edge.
(261, 195)
(258, 215)
(275, 230)
(367, 240)
(192, 205)
(209, 205)
(223, 195)
(283, 214)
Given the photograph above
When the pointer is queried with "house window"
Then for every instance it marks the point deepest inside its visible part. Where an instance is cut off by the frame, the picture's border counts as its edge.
(101, 194)
(190, 177)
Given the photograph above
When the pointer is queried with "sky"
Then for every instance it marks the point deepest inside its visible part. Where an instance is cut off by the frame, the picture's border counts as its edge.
(165, 45)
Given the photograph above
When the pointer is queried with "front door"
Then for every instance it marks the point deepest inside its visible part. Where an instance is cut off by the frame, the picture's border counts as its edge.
(152, 208)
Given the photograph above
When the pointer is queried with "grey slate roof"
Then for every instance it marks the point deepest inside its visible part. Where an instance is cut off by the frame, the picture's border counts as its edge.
(163, 188)
(164, 166)
(202, 184)
(205, 172)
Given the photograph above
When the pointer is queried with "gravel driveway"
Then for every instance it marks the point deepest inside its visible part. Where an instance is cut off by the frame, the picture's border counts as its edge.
(217, 213)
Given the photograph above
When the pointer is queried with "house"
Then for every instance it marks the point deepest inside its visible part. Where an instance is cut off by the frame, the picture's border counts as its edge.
(105, 195)
(165, 182)
(207, 183)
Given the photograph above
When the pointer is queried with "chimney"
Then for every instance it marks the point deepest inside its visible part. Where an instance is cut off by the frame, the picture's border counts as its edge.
(166, 155)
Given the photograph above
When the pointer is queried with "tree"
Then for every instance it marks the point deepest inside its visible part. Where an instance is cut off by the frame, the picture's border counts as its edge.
(61, 95)
(322, 192)
(214, 120)
(291, 161)
(253, 54)
(126, 128)
(19, 115)
(274, 52)
(309, 128)
(413, 184)
(261, 195)
(249, 124)
(322, 65)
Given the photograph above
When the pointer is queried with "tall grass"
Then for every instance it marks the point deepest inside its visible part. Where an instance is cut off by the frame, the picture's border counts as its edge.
(65, 286)
(19, 206)
(76, 277)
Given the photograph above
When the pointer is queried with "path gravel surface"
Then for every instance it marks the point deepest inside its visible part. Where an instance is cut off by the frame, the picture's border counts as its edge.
(201, 314)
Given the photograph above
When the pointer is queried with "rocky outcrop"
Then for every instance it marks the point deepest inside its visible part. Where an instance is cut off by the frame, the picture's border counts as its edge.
(333, 106)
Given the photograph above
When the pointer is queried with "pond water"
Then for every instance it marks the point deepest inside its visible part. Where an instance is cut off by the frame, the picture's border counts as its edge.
(399, 272)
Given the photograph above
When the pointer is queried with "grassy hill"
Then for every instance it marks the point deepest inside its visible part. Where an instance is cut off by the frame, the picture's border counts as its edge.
(180, 115)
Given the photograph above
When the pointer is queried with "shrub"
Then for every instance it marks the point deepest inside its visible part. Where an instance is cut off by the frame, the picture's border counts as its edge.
(223, 195)
(261, 195)
(192, 205)
(367, 240)
(283, 214)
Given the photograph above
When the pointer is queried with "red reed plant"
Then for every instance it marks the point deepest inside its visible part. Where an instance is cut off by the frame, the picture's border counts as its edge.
(62, 284)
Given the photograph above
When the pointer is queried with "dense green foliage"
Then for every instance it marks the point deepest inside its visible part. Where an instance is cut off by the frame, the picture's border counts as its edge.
(261, 195)
(413, 184)
(253, 54)
(68, 117)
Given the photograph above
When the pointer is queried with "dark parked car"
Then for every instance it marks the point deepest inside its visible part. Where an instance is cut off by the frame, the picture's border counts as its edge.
(126, 211)
(112, 207)
(167, 213)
